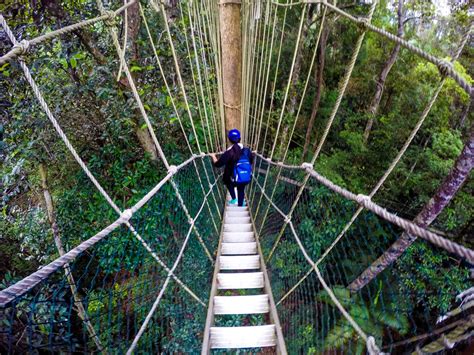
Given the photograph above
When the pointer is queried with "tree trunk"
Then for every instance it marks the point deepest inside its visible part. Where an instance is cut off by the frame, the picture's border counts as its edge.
(374, 105)
(144, 137)
(78, 305)
(133, 28)
(464, 114)
(319, 73)
(55, 9)
(445, 193)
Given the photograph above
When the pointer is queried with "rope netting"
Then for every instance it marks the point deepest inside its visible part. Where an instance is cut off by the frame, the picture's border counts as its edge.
(390, 308)
(119, 278)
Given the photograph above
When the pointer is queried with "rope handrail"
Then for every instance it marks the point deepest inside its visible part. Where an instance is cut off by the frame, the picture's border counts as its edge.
(26, 45)
(27, 283)
(366, 202)
(444, 67)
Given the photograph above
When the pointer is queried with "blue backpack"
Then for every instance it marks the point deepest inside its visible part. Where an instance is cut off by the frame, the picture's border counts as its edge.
(243, 168)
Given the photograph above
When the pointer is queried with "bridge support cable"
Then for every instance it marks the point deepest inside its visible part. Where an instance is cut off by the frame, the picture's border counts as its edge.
(303, 95)
(173, 103)
(113, 33)
(272, 94)
(287, 88)
(159, 8)
(342, 89)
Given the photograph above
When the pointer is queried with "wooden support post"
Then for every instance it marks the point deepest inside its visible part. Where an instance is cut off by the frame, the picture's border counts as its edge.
(231, 44)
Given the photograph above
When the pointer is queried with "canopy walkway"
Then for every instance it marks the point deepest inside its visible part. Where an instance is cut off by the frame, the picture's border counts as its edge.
(284, 275)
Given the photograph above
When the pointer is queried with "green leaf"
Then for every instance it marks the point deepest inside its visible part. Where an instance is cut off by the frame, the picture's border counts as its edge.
(73, 62)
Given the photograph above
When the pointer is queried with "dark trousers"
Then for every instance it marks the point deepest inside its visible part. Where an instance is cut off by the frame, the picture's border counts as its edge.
(240, 192)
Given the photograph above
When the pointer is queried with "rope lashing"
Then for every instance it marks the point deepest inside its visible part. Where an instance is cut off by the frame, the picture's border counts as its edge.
(110, 17)
(173, 169)
(307, 166)
(15, 52)
(126, 215)
(362, 199)
(234, 107)
(444, 67)
(372, 348)
(22, 47)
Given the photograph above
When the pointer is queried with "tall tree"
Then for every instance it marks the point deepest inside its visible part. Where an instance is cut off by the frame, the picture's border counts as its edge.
(375, 103)
(319, 86)
(445, 193)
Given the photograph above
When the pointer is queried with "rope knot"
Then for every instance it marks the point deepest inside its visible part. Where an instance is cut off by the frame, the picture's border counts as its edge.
(110, 20)
(446, 342)
(173, 169)
(191, 221)
(307, 166)
(23, 46)
(363, 23)
(372, 348)
(202, 154)
(287, 219)
(444, 67)
(362, 199)
(280, 163)
(126, 215)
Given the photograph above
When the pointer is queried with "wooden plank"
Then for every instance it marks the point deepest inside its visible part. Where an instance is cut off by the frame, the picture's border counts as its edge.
(244, 262)
(239, 248)
(243, 337)
(255, 304)
(236, 220)
(235, 281)
(239, 237)
(236, 208)
(232, 213)
(237, 227)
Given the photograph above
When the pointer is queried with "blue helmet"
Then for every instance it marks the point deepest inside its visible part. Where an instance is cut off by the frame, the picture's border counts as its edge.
(234, 135)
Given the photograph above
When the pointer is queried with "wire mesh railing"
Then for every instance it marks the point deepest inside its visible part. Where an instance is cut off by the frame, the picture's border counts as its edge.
(100, 298)
(400, 306)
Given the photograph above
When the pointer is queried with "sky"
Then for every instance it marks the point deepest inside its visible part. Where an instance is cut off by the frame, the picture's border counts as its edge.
(442, 7)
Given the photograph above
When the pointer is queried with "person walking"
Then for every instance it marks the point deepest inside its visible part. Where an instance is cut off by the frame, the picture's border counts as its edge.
(237, 163)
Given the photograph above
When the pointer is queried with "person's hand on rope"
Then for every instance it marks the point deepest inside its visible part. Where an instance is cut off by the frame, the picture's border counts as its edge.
(213, 157)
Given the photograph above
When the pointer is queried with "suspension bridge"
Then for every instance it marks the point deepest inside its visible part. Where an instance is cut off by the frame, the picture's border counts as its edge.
(206, 277)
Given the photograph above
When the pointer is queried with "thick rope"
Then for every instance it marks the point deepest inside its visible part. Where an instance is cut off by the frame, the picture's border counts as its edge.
(401, 152)
(407, 225)
(445, 68)
(24, 46)
(372, 348)
(35, 278)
